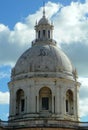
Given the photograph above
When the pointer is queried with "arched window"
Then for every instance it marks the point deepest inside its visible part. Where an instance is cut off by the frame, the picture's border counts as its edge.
(48, 33)
(45, 98)
(44, 33)
(69, 102)
(38, 34)
(20, 101)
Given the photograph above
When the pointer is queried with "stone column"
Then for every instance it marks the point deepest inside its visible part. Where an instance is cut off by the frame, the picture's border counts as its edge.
(76, 101)
(52, 103)
(10, 108)
(60, 100)
(14, 103)
(38, 103)
(28, 100)
(57, 100)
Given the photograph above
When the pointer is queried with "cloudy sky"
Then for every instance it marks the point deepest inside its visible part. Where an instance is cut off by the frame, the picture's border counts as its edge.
(17, 20)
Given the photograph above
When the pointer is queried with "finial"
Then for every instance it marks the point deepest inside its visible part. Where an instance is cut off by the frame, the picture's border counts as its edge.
(43, 9)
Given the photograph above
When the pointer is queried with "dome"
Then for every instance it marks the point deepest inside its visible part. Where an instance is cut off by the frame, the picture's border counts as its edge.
(43, 21)
(43, 59)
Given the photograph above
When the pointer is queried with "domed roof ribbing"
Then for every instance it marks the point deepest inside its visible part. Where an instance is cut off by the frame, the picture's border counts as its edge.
(43, 58)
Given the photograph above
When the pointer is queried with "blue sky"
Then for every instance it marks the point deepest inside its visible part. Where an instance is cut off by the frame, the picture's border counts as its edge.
(17, 20)
(14, 11)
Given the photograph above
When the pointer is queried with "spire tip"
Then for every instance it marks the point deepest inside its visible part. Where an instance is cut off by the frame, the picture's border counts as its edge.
(43, 8)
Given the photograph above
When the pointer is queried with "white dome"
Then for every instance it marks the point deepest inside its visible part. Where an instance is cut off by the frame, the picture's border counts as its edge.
(43, 20)
(43, 58)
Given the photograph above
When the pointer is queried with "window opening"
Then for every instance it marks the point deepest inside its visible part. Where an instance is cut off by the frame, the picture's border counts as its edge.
(44, 33)
(69, 102)
(20, 101)
(22, 105)
(48, 33)
(66, 105)
(45, 103)
(36, 103)
(54, 104)
(39, 34)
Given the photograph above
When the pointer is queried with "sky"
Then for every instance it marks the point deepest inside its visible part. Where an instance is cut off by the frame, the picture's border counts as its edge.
(17, 20)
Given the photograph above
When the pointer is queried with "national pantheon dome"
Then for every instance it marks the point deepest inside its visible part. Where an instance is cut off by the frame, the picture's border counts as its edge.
(44, 57)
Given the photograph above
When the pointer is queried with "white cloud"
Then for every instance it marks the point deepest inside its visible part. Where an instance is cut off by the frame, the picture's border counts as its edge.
(83, 108)
(4, 97)
(84, 87)
(12, 44)
(4, 116)
(71, 23)
(50, 8)
(83, 104)
(4, 75)
(78, 53)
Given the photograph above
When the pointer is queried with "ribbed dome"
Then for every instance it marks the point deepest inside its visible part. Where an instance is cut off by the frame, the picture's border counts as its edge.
(43, 58)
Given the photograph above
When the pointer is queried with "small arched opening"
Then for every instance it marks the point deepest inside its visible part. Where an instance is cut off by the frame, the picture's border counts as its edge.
(45, 99)
(20, 101)
(39, 34)
(69, 102)
(48, 33)
(44, 33)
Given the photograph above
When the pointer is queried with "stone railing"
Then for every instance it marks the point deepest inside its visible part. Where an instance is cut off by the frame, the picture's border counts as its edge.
(44, 123)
